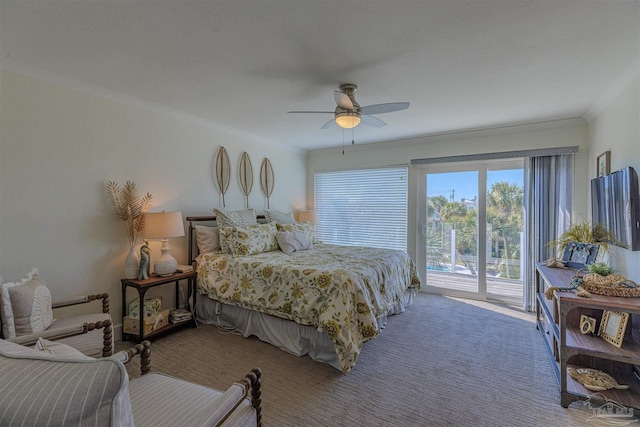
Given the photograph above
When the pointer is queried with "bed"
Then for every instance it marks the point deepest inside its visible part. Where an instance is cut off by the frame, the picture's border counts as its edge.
(325, 302)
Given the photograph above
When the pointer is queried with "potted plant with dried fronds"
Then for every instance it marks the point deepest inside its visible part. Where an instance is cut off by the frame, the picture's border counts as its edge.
(129, 207)
(584, 232)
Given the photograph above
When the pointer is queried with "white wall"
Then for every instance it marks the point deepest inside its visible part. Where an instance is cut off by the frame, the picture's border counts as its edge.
(60, 146)
(617, 128)
(558, 134)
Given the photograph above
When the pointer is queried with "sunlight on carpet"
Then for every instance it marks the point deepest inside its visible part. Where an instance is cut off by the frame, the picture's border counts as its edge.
(506, 309)
(444, 362)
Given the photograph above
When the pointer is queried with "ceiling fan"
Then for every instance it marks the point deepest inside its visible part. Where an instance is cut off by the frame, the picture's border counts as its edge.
(348, 113)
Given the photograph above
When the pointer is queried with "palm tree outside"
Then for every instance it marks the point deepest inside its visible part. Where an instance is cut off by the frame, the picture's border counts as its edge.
(453, 246)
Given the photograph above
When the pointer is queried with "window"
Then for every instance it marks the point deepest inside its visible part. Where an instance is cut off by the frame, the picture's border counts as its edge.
(366, 207)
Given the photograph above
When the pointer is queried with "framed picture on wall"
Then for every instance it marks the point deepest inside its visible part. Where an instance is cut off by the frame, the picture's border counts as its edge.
(603, 164)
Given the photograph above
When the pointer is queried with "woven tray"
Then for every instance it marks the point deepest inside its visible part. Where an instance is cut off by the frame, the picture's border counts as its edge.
(613, 285)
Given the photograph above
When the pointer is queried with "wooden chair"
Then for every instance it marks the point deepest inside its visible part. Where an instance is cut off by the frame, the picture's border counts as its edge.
(91, 334)
(61, 386)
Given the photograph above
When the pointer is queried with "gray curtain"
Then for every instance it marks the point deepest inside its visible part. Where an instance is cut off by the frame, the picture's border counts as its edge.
(548, 204)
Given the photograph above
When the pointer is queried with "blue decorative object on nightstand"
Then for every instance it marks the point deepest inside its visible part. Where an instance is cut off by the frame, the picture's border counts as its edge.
(143, 274)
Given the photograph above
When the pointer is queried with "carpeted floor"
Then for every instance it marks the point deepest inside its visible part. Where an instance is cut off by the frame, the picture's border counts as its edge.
(444, 362)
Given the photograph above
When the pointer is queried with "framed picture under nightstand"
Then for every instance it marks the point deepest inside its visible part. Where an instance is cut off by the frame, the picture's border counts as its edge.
(612, 326)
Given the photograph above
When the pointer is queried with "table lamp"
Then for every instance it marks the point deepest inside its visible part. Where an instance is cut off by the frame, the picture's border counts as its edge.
(162, 225)
(307, 215)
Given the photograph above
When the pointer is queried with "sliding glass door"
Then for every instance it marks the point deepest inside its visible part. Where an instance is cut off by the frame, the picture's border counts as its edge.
(505, 232)
(471, 226)
(451, 231)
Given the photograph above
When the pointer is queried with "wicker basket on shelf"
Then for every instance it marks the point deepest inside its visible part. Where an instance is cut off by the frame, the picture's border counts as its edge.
(613, 285)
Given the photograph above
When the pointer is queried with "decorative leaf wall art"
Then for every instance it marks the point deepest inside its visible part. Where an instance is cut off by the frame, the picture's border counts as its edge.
(267, 179)
(223, 172)
(245, 175)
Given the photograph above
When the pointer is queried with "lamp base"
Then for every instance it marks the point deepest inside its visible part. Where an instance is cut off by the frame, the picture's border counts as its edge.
(166, 265)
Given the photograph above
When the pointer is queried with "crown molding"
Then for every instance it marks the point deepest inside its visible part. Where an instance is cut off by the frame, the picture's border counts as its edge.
(100, 92)
(626, 76)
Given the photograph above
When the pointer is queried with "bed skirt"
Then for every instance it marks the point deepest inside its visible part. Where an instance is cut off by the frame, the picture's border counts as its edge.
(287, 335)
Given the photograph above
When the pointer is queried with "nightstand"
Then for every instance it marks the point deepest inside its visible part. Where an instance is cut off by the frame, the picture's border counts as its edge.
(142, 286)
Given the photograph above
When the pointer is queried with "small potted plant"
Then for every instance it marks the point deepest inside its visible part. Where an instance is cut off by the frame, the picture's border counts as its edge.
(600, 268)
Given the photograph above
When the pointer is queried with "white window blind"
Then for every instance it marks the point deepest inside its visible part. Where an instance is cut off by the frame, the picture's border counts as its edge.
(365, 207)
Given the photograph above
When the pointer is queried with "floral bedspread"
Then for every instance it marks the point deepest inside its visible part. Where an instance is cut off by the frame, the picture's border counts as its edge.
(342, 290)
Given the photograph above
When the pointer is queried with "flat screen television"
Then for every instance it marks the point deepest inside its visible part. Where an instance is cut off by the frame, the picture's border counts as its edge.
(615, 203)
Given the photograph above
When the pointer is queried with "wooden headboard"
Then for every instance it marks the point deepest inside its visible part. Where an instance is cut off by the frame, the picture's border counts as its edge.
(205, 220)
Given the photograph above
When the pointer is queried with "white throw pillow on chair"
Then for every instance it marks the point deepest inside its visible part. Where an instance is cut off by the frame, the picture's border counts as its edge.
(26, 306)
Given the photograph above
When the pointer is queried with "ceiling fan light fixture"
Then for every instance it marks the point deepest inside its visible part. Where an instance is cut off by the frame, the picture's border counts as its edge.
(347, 120)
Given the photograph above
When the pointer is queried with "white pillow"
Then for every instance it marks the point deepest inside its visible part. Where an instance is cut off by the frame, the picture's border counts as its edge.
(279, 217)
(31, 305)
(226, 218)
(293, 241)
(26, 306)
(208, 238)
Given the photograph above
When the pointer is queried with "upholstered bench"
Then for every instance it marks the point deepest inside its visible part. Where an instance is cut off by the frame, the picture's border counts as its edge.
(54, 384)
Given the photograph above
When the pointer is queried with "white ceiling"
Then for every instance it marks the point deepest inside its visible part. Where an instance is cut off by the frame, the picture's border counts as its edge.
(244, 63)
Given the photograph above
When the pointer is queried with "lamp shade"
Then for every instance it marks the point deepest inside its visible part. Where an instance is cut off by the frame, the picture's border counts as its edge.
(347, 120)
(307, 216)
(160, 225)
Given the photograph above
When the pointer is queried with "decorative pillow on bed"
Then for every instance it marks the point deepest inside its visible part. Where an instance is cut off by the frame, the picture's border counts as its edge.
(279, 217)
(304, 227)
(293, 241)
(26, 306)
(250, 240)
(208, 238)
(226, 218)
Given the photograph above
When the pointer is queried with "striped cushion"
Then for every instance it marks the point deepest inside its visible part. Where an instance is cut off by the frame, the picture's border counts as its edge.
(244, 416)
(57, 348)
(90, 343)
(160, 400)
(41, 389)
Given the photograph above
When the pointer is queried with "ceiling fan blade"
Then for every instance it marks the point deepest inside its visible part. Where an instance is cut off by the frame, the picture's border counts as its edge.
(329, 124)
(384, 108)
(297, 112)
(372, 121)
(343, 100)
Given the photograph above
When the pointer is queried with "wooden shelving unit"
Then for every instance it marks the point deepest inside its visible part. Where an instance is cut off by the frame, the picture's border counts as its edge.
(142, 286)
(558, 321)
